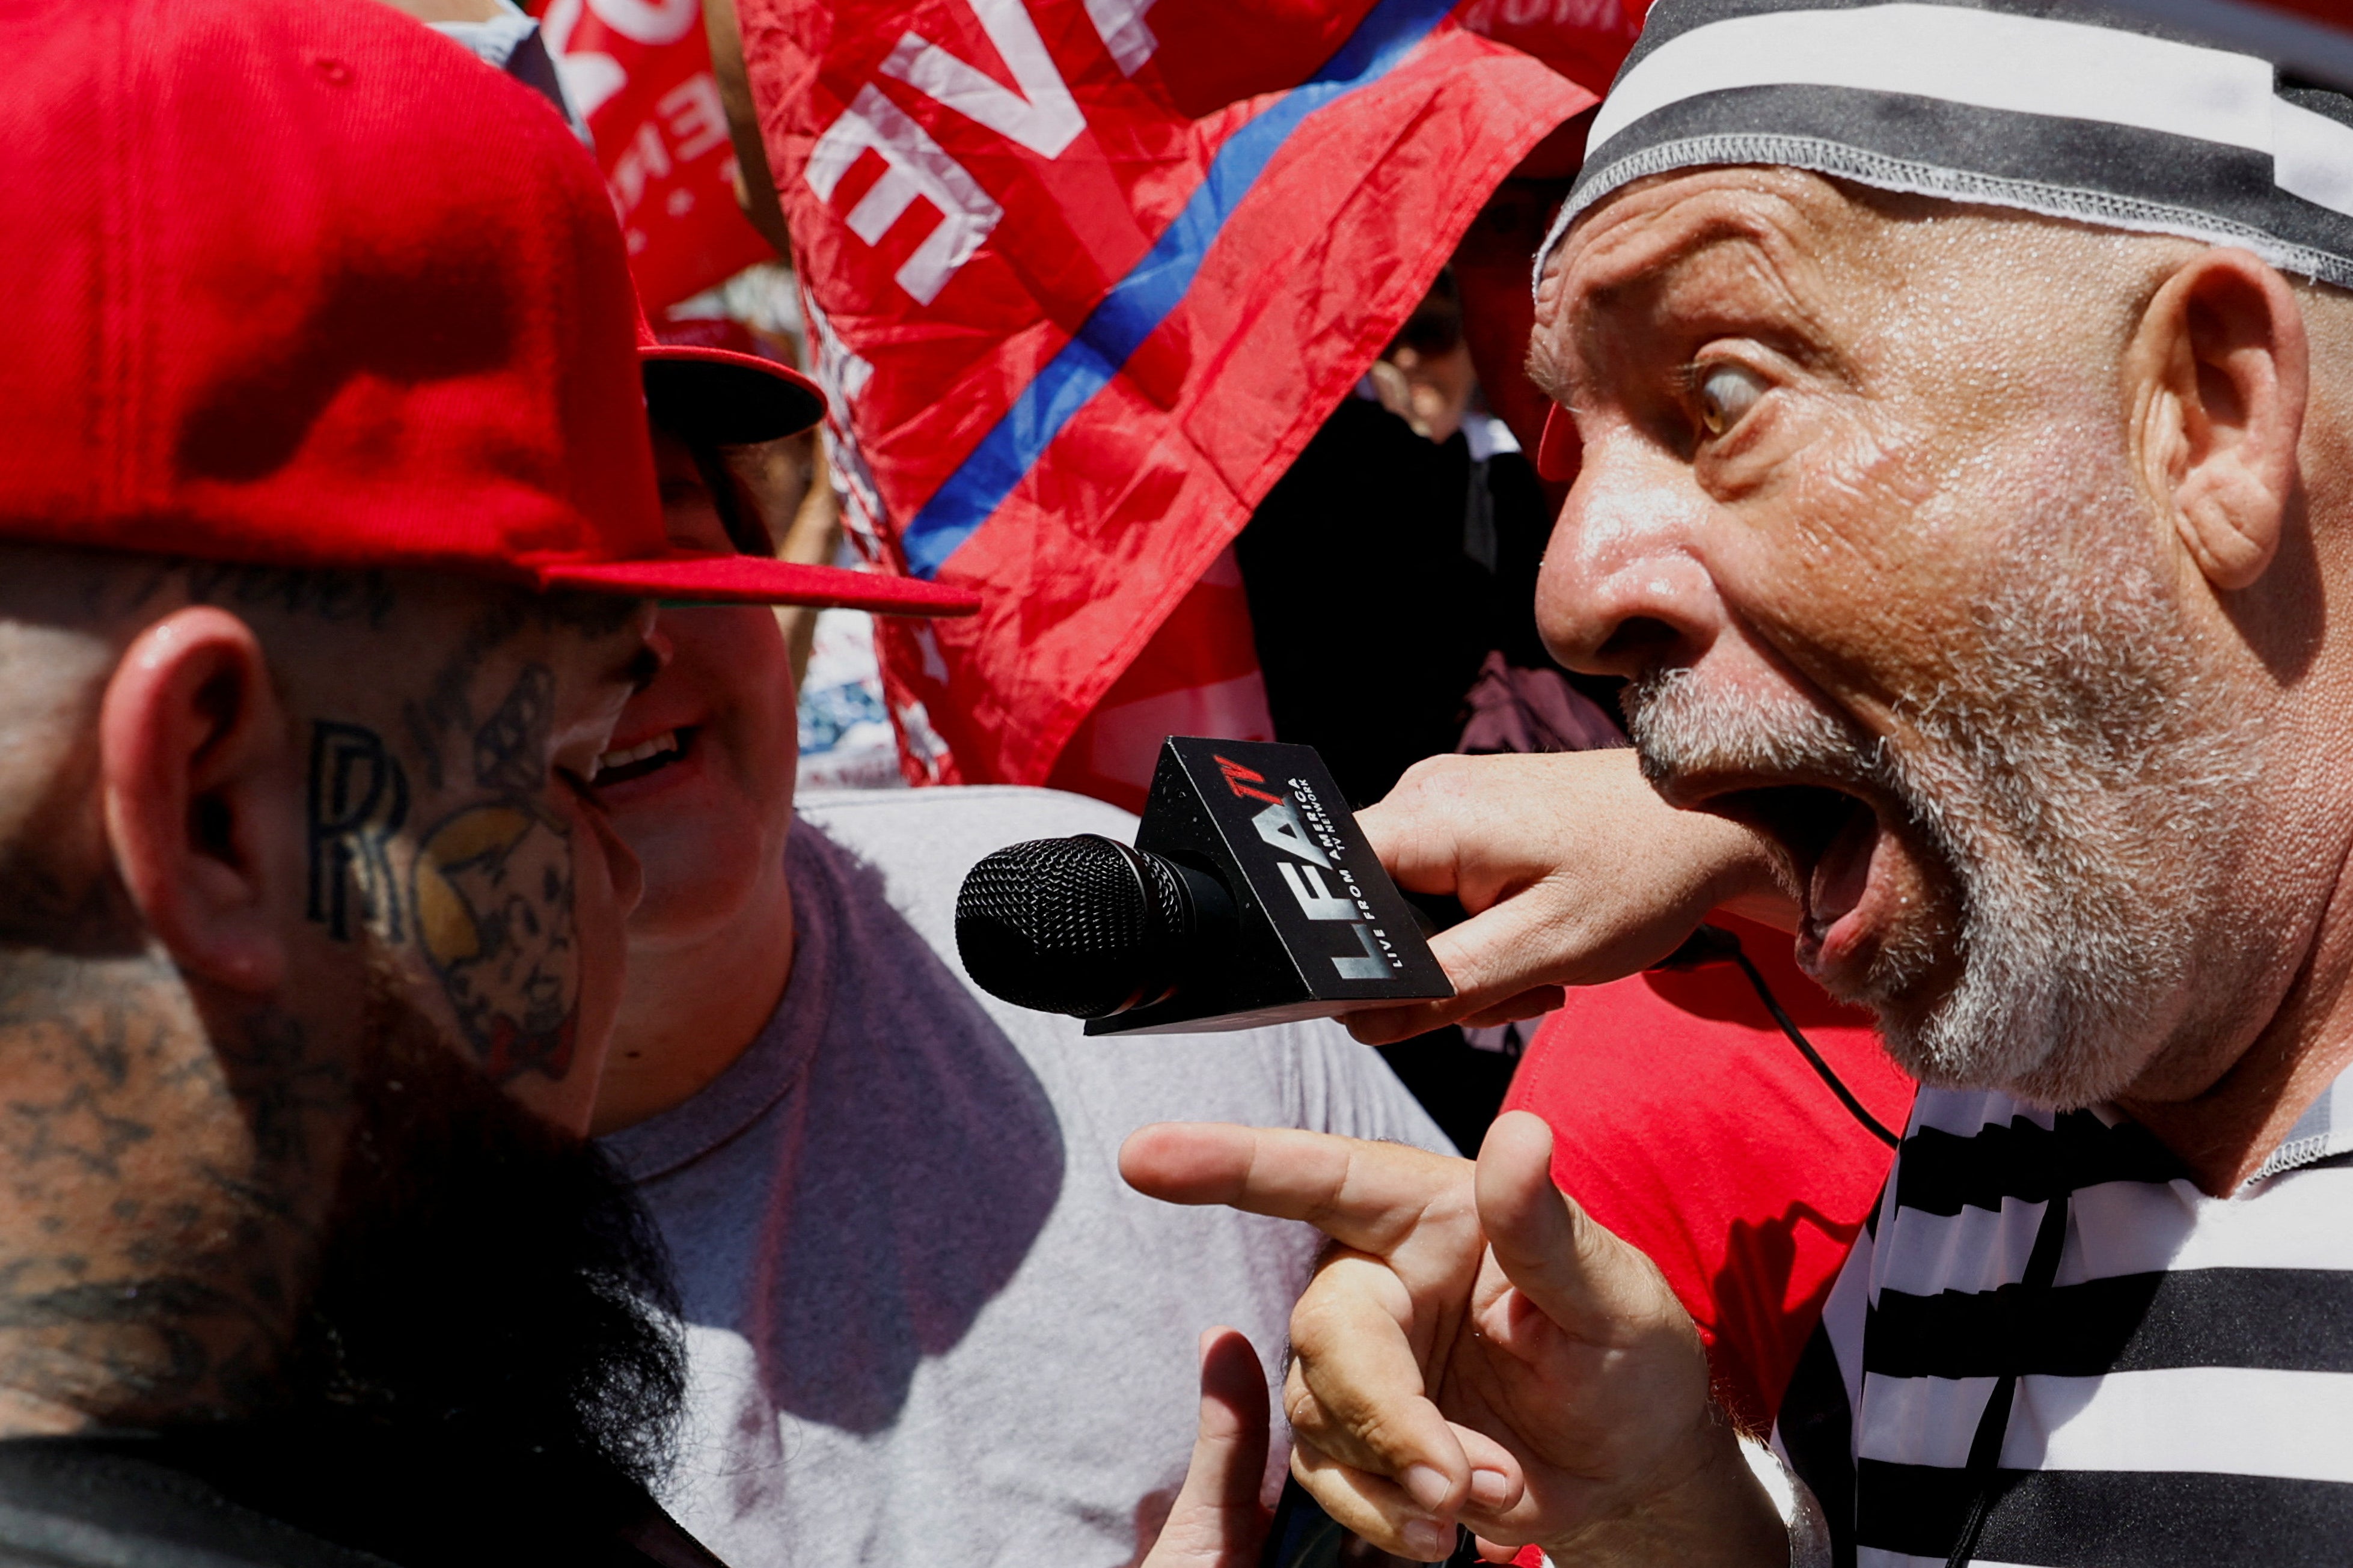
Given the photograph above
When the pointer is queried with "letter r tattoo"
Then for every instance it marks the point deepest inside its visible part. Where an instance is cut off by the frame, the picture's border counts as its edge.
(358, 799)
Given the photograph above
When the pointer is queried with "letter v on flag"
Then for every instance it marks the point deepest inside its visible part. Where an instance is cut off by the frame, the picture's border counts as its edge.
(1074, 320)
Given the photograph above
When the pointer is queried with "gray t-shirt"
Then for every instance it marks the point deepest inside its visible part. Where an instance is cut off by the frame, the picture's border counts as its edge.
(927, 1323)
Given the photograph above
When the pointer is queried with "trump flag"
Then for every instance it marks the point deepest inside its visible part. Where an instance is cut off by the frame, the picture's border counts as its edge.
(1081, 278)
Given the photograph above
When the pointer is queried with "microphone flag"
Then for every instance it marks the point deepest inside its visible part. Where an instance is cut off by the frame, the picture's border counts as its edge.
(1083, 276)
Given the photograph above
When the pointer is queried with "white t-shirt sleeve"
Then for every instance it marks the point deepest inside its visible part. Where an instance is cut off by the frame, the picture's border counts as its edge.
(1347, 1088)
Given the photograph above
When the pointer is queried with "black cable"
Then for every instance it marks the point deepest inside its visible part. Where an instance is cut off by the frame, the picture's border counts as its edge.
(1870, 1123)
(1984, 1469)
(1713, 945)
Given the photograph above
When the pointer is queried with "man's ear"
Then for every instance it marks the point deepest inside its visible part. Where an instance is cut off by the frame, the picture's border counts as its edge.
(2222, 364)
(193, 768)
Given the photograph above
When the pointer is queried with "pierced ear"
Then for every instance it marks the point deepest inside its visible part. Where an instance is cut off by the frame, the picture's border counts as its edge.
(2223, 358)
(192, 764)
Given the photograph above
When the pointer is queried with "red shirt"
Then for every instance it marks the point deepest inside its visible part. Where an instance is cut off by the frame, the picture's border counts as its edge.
(1686, 1121)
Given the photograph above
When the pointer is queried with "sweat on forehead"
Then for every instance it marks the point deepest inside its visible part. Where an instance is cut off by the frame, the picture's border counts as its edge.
(1819, 266)
(2056, 109)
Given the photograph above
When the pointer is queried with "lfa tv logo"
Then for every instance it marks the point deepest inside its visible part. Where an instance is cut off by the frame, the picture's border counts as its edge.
(1294, 821)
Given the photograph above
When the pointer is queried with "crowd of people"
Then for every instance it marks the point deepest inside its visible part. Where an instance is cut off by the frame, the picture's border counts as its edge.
(461, 1102)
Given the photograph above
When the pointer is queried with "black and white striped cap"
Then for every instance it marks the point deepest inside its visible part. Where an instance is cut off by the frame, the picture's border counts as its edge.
(2047, 105)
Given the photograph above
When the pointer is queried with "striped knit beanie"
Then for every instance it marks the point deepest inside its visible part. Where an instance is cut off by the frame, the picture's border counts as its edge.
(2044, 106)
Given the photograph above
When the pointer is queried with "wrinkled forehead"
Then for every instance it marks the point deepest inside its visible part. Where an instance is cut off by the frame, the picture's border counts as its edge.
(1729, 240)
(1788, 218)
(1898, 296)
(2047, 106)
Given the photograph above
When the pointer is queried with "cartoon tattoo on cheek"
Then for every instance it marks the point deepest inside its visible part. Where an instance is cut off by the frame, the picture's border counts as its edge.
(493, 902)
(490, 894)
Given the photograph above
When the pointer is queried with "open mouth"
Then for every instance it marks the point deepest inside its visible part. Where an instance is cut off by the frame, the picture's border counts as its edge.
(648, 757)
(1831, 837)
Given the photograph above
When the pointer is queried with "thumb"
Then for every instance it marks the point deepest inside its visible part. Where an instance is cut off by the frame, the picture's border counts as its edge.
(1593, 1285)
(1501, 955)
(1217, 1521)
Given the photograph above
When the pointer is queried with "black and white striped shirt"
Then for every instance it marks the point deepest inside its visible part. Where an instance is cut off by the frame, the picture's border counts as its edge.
(2181, 1382)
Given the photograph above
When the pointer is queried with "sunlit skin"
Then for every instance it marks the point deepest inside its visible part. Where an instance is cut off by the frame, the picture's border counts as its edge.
(1880, 388)
(1575, 873)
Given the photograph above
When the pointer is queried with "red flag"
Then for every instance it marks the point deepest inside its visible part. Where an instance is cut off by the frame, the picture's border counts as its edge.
(639, 72)
(1197, 675)
(1083, 277)
(1585, 40)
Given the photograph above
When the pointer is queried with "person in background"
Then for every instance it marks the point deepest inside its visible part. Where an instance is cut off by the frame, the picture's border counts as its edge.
(1707, 1179)
(1415, 507)
(924, 1318)
(1735, 1160)
(716, 417)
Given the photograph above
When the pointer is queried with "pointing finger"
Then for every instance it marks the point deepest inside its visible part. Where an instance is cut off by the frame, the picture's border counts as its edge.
(1370, 1196)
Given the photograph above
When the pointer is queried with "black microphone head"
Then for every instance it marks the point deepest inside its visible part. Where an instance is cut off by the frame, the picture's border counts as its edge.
(1084, 926)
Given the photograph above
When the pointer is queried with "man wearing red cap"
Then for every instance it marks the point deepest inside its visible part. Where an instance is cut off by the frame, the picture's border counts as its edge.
(327, 518)
(326, 527)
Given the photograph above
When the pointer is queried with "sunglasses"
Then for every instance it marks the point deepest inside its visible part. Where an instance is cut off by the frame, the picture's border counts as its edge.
(1429, 333)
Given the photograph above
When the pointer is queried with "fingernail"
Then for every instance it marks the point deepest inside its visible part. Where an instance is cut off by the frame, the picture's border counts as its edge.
(1427, 1540)
(1426, 1485)
(1488, 1487)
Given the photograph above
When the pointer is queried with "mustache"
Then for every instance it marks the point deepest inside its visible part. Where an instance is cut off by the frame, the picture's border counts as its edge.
(1684, 729)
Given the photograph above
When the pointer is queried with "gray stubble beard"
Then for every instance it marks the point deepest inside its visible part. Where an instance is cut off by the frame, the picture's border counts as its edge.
(2078, 782)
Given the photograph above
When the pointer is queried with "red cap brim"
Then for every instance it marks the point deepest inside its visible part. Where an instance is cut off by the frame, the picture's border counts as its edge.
(756, 579)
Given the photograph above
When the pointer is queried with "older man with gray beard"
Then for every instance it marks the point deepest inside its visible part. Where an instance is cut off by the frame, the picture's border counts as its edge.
(1964, 392)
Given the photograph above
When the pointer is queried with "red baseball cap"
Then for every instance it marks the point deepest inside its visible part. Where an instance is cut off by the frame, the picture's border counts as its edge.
(301, 285)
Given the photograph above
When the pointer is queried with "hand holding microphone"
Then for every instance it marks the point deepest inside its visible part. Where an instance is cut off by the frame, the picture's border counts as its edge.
(1572, 869)
(1252, 895)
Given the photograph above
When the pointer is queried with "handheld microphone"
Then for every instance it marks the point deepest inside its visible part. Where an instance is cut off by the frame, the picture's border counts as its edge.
(1251, 897)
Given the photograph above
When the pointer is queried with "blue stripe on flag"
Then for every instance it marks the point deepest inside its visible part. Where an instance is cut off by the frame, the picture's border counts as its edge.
(1140, 301)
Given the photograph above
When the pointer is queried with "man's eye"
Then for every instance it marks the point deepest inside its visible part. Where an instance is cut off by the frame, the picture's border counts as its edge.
(1727, 392)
